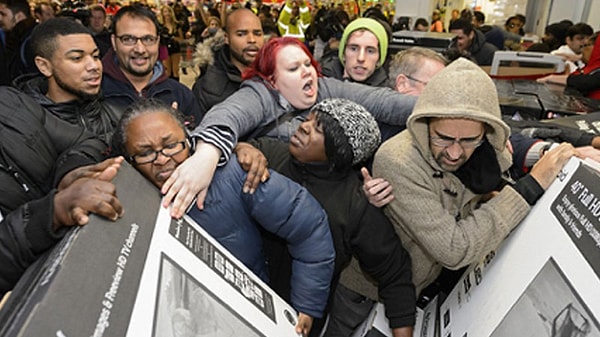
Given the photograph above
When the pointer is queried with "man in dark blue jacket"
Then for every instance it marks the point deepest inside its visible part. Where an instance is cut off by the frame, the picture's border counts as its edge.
(132, 69)
(155, 142)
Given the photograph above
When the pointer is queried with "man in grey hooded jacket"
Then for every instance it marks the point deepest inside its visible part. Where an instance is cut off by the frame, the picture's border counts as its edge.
(457, 204)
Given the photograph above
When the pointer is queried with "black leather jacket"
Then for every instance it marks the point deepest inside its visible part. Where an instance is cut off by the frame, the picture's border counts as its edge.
(221, 80)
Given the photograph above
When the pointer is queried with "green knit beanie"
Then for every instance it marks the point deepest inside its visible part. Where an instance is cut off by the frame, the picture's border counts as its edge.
(374, 27)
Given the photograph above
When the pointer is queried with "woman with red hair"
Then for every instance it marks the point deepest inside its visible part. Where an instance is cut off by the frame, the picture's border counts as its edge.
(279, 90)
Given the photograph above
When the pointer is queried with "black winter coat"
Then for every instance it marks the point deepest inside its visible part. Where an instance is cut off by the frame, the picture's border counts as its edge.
(94, 114)
(221, 80)
(357, 228)
(36, 150)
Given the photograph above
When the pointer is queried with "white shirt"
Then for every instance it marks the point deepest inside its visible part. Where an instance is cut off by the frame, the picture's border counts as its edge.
(565, 50)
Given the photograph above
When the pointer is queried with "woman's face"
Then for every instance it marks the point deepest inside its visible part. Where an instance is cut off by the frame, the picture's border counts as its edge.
(295, 77)
(514, 26)
(165, 13)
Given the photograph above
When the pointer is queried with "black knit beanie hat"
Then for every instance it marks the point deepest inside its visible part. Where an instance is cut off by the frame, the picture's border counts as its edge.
(351, 133)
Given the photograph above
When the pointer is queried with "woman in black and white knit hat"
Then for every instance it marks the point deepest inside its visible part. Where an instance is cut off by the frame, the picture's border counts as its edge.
(351, 133)
(337, 135)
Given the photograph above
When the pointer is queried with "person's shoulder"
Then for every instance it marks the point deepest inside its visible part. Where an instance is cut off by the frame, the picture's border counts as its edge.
(331, 66)
(214, 80)
(400, 142)
(231, 172)
(14, 99)
(8, 91)
(178, 87)
(490, 46)
(328, 83)
(379, 78)
(110, 82)
(255, 84)
(399, 151)
(564, 49)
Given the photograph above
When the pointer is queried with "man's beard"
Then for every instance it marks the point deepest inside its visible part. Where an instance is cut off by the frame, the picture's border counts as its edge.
(137, 72)
(450, 168)
(240, 58)
(81, 95)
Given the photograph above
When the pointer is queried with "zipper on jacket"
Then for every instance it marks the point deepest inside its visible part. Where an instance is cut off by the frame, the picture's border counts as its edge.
(19, 180)
(10, 170)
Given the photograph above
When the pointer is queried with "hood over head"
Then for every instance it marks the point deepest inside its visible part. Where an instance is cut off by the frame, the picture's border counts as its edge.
(461, 90)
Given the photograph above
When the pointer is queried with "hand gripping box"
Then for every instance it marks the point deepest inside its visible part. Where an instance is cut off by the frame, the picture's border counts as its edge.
(144, 275)
(544, 280)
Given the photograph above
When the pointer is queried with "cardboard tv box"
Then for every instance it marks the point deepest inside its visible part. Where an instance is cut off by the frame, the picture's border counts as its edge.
(144, 275)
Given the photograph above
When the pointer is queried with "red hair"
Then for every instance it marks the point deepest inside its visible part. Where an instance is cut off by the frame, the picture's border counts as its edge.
(265, 64)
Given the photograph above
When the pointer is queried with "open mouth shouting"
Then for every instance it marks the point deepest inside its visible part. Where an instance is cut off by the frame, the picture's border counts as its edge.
(309, 88)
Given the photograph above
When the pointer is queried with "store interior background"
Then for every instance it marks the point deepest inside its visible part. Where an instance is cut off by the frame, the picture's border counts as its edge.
(539, 13)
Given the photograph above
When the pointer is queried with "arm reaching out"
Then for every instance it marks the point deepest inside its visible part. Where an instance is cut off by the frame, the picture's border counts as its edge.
(86, 195)
(105, 171)
(191, 180)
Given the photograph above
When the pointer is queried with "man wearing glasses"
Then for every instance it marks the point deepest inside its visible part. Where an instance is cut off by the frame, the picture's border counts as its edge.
(456, 203)
(132, 70)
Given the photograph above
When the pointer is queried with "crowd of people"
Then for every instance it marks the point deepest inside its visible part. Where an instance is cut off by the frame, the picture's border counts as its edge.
(339, 174)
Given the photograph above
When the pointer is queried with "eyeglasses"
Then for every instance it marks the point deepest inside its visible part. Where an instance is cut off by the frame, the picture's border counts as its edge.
(130, 40)
(150, 156)
(465, 143)
(416, 80)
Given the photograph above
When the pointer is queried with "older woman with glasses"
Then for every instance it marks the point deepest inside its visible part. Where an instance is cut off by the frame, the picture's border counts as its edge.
(152, 137)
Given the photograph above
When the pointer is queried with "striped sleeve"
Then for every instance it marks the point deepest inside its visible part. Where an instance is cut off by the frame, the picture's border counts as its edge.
(221, 137)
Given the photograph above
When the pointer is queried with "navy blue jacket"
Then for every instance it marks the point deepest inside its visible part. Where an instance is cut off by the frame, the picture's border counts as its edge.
(283, 208)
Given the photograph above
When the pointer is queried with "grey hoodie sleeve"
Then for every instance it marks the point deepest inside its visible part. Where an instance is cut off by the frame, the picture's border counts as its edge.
(384, 104)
